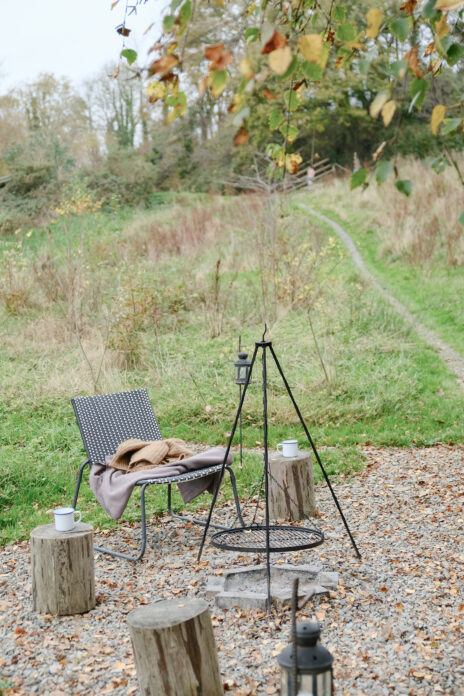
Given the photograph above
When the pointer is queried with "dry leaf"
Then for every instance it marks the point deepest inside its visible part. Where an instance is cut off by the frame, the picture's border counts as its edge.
(268, 94)
(241, 137)
(292, 163)
(388, 111)
(413, 62)
(441, 27)
(164, 65)
(374, 19)
(446, 5)
(276, 41)
(310, 47)
(438, 116)
(280, 59)
(377, 105)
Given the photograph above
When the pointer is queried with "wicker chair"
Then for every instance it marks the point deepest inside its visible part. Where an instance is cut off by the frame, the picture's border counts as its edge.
(109, 419)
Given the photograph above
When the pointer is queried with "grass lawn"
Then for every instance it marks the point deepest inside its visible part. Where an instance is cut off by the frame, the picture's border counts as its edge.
(138, 299)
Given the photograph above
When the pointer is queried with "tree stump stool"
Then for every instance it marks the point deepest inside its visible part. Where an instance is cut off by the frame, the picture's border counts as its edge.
(291, 487)
(174, 649)
(63, 580)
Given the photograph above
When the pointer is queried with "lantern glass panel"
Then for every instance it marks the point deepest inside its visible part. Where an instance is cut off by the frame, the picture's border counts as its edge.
(308, 685)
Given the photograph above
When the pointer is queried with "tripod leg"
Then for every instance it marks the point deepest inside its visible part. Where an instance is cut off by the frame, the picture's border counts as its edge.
(316, 454)
(229, 444)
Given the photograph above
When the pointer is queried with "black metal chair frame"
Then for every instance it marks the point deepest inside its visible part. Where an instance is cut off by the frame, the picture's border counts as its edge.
(107, 420)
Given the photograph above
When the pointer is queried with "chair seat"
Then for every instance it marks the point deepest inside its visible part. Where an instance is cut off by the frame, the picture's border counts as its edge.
(179, 478)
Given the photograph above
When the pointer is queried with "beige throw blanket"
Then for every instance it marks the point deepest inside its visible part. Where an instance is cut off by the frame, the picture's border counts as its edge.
(138, 455)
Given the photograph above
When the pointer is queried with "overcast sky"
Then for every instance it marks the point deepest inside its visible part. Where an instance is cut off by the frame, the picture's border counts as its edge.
(70, 38)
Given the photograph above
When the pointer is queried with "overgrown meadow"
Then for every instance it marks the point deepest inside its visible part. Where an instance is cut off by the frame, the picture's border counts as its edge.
(109, 299)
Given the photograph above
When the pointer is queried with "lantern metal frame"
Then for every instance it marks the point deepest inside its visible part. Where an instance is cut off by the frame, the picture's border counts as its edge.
(242, 362)
(269, 535)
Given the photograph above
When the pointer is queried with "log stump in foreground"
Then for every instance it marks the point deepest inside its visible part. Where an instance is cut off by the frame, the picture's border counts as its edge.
(291, 487)
(63, 580)
(174, 649)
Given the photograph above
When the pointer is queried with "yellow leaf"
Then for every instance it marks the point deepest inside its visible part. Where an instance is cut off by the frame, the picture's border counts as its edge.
(219, 2)
(310, 47)
(324, 55)
(292, 162)
(156, 90)
(446, 5)
(280, 59)
(377, 105)
(388, 109)
(441, 27)
(246, 68)
(374, 20)
(438, 115)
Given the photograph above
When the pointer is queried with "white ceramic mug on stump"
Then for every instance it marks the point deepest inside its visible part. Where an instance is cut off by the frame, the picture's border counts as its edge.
(288, 448)
(64, 519)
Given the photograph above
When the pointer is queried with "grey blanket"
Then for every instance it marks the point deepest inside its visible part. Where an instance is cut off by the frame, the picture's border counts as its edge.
(113, 488)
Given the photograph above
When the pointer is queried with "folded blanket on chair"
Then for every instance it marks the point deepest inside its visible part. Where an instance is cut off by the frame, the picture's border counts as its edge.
(113, 487)
(136, 455)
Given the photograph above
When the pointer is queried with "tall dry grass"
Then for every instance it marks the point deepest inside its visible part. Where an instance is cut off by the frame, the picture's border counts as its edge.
(424, 224)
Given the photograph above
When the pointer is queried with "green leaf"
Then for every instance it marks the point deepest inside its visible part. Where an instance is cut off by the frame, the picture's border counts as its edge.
(168, 23)
(398, 68)
(454, 53)
(130, 55)
(218, 81)
(363, 66)
(346, 32)
(275, 119)
(240, 116)
(358, 178)
(400, 28)
(292, 100)
(439, 164)
(429, 8)
(418, 89)
(175, 4)
(404, 186)
(339, 13)
(185, 12)
(450, 125)
(252, 34)
(312, 71)
(461, 218)
(289, 132)
(383, 170)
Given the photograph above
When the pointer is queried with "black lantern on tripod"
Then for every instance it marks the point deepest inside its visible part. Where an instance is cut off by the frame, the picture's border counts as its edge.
(242, 376)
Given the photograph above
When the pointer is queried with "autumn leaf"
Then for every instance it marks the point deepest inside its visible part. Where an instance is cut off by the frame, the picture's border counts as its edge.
(374, 20)
(214, 52)
(246, 68)
(438, 116)
(241, 137)
(413, 62)
(268, 94)
(155, 90)
(122, 30)
(310, 46)
(446, 5)
(442, 27)
(164, 65)
(280, 59)
(292, 162)
(408, 6)
(377, 105)
(276, 41)
(388, 110)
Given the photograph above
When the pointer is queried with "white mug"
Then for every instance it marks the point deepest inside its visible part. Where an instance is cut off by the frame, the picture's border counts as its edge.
(289, 448)
(64, 519)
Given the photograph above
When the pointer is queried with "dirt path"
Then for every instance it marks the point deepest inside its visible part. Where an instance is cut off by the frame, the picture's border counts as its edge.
(453, 360)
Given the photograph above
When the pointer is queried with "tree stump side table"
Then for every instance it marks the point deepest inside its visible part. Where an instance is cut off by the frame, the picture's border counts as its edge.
(174, 648)
(291, 487)
(63, 578)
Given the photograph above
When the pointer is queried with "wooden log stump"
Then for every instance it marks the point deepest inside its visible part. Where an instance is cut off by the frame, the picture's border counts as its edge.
(174, 648)
(63, 580)
(291, 487)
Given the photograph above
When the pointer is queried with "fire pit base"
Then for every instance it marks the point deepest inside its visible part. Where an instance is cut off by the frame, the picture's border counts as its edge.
(246, 588)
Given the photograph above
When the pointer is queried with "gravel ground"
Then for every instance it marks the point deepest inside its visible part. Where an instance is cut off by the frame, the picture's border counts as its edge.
(394, 624)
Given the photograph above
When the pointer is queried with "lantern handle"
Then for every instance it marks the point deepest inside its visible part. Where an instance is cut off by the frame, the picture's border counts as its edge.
(265, 332)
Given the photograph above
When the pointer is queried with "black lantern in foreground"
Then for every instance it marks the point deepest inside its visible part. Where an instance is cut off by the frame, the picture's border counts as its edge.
(311, 673)
(242, 368)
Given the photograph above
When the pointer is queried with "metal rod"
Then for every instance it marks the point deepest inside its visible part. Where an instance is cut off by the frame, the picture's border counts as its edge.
(241, 446)
(294, 679)
(229, 444)
(266, 476)
(314, 450)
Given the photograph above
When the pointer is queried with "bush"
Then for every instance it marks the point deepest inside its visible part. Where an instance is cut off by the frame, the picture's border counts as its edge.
(126, 177)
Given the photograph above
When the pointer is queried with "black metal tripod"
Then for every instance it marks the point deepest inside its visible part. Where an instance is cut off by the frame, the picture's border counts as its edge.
(266, 538)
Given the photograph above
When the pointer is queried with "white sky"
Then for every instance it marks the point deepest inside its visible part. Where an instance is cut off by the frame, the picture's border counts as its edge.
(70, 38)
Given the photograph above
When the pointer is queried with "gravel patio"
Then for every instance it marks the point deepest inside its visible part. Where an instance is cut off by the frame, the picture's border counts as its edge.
(394, 624)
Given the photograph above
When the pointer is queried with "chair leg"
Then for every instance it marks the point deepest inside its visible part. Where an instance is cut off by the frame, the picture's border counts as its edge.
(202, 523)
(143, 544)
(78, 483)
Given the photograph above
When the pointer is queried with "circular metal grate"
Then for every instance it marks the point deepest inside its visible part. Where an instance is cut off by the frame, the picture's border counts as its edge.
(255, 539)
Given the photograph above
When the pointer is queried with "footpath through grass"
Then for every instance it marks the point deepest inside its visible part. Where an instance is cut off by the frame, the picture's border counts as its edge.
(168, 318)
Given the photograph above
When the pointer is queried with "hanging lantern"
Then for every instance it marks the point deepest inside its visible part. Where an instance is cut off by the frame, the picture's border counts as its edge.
(242, 368)
(313, 664)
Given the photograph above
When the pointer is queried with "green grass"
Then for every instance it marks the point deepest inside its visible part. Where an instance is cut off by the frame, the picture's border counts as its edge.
(378, 384)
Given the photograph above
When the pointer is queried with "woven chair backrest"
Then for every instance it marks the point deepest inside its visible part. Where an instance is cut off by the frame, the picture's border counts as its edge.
(108, 419)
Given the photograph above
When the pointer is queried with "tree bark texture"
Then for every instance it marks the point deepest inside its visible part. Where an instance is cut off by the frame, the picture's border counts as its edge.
(291, 487)
(63, 579)
(174, 648)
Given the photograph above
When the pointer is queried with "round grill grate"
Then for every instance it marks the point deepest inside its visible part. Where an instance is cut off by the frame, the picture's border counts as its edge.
(280, 539)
